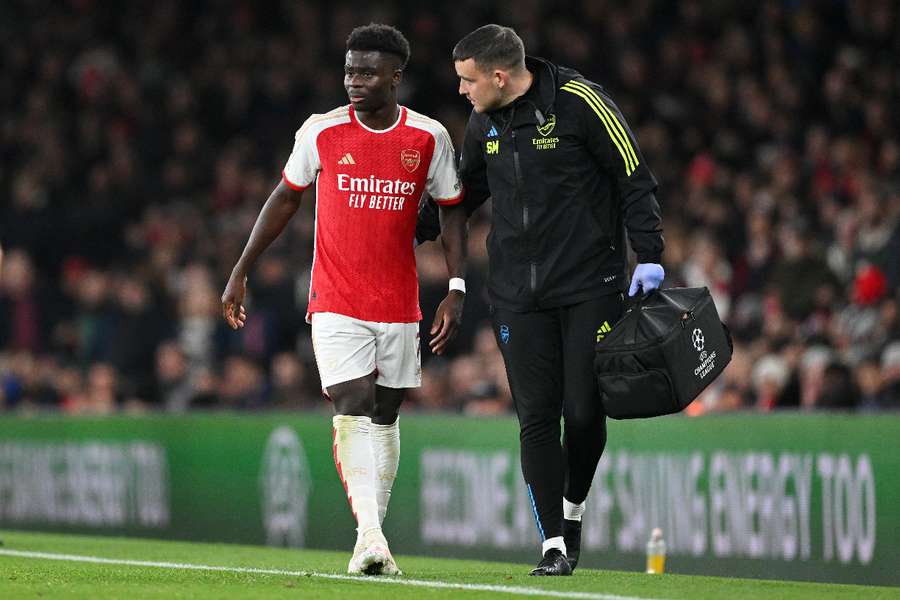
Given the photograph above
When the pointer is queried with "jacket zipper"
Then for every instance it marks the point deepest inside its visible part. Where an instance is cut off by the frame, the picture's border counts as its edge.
(518, 172)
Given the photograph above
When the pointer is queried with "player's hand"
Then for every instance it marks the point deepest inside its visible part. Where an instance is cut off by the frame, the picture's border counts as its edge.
(233, 302)
(446, 321)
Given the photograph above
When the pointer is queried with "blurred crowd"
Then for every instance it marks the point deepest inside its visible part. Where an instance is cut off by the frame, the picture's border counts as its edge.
(138, 144)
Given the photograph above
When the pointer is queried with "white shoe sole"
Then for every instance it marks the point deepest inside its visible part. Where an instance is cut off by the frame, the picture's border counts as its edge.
(374, 560)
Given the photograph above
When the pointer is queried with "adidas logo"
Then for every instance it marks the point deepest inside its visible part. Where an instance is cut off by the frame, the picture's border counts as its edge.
(604, 329)
(347, 159)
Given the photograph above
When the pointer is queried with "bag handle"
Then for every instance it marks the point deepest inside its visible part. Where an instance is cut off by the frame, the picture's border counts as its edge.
(637, 300)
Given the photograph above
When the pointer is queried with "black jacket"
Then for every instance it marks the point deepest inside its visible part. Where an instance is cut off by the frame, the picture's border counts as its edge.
(566, 179)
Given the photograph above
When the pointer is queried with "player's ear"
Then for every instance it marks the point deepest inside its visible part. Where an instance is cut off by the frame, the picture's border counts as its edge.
(398, 76)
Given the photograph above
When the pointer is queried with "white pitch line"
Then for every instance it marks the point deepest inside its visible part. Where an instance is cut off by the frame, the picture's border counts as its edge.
(501, 589)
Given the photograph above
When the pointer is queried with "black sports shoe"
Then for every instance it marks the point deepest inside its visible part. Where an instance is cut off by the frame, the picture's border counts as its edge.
(553, 563)
(572, 537)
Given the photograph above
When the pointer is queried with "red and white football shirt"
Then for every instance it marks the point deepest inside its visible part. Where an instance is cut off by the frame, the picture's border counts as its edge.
(368, 187)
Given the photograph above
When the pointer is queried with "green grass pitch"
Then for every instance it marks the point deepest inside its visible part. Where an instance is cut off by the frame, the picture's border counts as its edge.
(43, 566)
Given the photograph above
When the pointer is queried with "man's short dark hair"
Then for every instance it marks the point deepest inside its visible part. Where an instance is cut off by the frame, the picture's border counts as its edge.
(376, 37)
(493, 47)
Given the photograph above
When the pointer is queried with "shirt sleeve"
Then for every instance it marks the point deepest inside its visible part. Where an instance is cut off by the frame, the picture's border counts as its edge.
(472, 168)
(303, 164)
(443, 180)
(614, 146)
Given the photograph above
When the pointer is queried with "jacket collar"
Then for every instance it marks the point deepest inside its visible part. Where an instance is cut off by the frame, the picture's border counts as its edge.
(535, 105)
(542, 92)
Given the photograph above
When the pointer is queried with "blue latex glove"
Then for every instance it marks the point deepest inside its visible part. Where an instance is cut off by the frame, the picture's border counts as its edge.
(647, 277)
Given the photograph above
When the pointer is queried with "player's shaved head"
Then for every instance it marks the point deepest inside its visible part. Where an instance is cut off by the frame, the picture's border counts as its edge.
(376, 37)
(492, 47)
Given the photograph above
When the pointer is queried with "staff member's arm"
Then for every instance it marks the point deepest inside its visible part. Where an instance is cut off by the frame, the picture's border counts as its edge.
(614, 146)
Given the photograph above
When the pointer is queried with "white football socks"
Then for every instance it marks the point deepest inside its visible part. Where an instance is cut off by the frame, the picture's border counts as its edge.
(355, 462)
(386, 444)
(571, 511)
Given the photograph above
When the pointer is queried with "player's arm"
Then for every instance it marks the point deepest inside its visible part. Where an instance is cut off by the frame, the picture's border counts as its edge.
(448, 193)
(472, 176)
(299, 172)
(454, 236)
(274, 216)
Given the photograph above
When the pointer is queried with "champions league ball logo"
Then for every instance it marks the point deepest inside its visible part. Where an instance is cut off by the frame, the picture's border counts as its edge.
(286, 483)
(699, 341)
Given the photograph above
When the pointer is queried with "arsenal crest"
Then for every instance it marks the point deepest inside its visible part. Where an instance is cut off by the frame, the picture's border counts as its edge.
(548, 126)
(410, 159)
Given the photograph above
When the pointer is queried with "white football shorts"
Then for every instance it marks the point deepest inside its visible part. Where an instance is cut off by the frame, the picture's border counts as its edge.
(348, 348)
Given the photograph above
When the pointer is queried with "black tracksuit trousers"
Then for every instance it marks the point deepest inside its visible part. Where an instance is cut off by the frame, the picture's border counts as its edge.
(549, 357)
